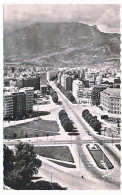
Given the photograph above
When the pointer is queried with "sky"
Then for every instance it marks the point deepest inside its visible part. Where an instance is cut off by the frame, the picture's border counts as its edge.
(106, 17)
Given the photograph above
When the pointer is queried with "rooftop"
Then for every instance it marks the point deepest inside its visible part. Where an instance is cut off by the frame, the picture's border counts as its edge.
(113, 92)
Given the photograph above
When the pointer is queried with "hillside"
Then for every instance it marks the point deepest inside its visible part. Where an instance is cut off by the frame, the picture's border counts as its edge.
(60, 44)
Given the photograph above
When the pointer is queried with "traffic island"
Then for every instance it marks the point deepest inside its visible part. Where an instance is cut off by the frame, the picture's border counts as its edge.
(99, 157)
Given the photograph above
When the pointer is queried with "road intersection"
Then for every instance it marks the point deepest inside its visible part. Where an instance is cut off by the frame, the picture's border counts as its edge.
(92, 174)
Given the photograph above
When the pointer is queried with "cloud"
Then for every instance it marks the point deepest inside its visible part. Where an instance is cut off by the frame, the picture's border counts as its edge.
(106, 17)
(110, 19)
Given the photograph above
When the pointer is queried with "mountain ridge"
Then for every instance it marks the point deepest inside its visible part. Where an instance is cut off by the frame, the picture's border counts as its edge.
(71, 42)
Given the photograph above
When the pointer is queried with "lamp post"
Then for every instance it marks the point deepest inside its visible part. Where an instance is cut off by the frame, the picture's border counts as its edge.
(52, 176)
(79, 158)
(112, 139)
(71, 139)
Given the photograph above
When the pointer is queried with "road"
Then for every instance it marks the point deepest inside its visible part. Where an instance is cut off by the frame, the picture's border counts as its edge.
(72, 179)
(70, 109)
(54, 142)
(81, 127)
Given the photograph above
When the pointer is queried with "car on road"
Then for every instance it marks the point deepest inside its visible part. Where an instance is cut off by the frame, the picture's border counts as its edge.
(102, 162)
(89, 133)
(18, 140)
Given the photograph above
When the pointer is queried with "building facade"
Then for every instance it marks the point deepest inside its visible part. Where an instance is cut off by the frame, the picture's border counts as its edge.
(95, 96)
(19, 104)
(7, 105)
(29, 97)
(51, 75)
(110, 100)
(68, 83)
(77, 89)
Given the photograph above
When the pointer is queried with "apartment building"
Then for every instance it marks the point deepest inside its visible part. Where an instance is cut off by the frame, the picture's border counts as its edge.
(19, 104)
(110, 100)
(85, 96)
(66, 82)
(95, 96)
(7, 105)
(29, 91)
(81, 94)
(43, 84)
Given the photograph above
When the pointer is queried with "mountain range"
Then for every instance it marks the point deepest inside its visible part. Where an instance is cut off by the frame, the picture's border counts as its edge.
(61, 44)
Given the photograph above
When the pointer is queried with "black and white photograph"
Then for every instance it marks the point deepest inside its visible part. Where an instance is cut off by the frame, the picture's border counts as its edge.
(61, 96)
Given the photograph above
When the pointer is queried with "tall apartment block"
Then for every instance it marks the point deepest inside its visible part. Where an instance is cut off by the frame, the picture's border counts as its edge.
(96, 94)
(7, 105)
(19, 104)
(29, 97)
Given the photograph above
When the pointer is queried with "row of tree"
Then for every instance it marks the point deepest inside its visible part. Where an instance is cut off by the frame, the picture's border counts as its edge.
(53, 95)
(68, 94)
(65, 121)
(92, 120)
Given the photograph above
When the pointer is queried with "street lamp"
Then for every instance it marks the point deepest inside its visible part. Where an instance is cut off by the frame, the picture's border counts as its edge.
(52, 176)
(71, 139)
(112, 139)
(79, 158)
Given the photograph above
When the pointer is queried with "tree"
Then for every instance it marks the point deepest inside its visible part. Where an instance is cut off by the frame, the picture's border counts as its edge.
(63, 120)
(85, 112)
(91, 121)
(14, 136)
(63, 116)
(68, 126)
(55, 98)
(76, 76)
(26, 161)
(24, 165)
(62, 113)
(97, 125)
(70, 96)
(89, 117)
(8, 159)
(86, 116)
(14, 180)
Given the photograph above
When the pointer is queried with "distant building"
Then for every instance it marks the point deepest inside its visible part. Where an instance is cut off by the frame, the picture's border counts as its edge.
(110, 100)
(90, 77)
(68, 83)
(51, 75)
(43, 90)
(98, 80)
(12, 82)
(85, 96)
(43, 78)
(43, 84)
(77, 89)
(7, 105)
(6, 82)
(95, 96)
(63, 77)
(20, 83)
(29, 81)
(59, 77)
(12, 69)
